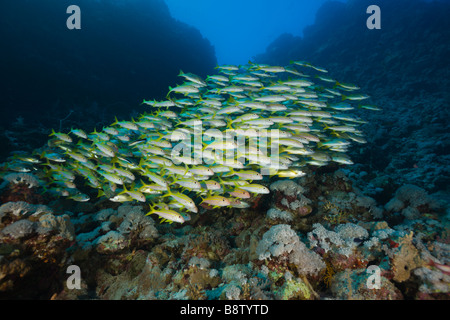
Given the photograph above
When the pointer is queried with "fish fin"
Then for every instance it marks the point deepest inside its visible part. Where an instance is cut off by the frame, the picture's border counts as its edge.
(124, 189)
(229, 123)
(151, 208)
(186, 167)
(160, 136)
(168, 194)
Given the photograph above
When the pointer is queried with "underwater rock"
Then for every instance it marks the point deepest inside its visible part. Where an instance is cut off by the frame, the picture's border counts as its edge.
(404, 258)
(434, 276)
(30, 248)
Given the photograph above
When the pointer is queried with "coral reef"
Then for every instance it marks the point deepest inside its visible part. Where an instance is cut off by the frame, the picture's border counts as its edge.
(231, 254)
(19, 209)
(30, 247)
(352, 285)
(283, 243)
(331, 234)
(27, 178)
(289, 196)
(412, 201)
(21, 187)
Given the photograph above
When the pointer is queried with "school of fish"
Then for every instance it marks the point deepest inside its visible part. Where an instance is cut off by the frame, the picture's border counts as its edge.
(211, 142)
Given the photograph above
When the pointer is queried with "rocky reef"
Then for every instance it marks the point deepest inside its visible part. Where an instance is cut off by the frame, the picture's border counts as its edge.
(271, 250)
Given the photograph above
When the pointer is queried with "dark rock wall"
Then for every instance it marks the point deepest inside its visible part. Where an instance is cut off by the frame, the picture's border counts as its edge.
(404, 67)
(125, 51)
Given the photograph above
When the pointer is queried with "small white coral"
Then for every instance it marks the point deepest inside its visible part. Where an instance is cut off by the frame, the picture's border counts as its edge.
(22, 208)
(236, 273)
(341, 240)
(26, 178)
(232, 292)
(408, 198)
(18, 229)
(288, 187)
(321, 237)
(135, 219)
(394, 205)
(200, 263)
(113, 241)
(370, 204)
(412, 194)
(275, 213)
(350, 231)
(280, 240)
(16, 208)
(61, 224)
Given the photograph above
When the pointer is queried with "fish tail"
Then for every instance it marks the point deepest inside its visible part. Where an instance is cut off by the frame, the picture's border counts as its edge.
(229, 123)
(151, 208)
(101, 193)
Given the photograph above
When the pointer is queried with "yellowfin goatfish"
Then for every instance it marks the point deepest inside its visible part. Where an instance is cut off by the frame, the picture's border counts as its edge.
(228, 131)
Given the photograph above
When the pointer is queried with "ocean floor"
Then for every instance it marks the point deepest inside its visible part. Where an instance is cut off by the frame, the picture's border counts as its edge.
(316, 237)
